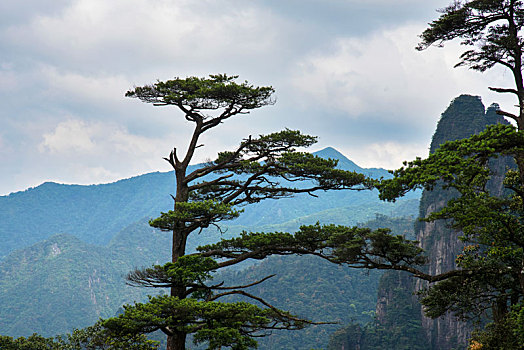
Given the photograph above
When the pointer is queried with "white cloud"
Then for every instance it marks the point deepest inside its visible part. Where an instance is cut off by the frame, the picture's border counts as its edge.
(8, 77)
(121, 35)
(83, 152)
(92, 175)
(75, 136)
(79, 89)
(366, 74)
(387, 155)
(382, 74)
(70, 137)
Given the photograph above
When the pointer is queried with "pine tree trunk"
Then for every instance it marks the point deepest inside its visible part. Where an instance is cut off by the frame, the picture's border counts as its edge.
(177, 341)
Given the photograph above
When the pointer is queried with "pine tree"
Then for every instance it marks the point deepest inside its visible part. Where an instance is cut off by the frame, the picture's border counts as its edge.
(260, 168)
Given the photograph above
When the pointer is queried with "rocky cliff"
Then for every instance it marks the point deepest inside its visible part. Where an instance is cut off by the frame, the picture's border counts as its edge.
(465, 116)
(400, 322)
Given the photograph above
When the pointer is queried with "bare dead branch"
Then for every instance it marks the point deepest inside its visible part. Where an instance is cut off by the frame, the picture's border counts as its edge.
(503, 90)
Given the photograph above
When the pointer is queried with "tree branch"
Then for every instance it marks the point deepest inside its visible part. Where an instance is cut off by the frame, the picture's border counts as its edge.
(507, 114)
(504, 90)
(265, 303)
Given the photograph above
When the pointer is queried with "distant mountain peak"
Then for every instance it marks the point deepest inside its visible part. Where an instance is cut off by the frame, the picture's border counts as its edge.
(343, 161)
(331, 152)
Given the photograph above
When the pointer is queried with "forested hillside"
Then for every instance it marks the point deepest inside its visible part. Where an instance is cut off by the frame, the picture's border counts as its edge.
(64, 283)
(96, 213)
(76, 282)
(317, 290)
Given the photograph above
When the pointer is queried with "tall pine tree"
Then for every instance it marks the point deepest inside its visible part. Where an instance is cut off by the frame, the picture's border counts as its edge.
(263, 167)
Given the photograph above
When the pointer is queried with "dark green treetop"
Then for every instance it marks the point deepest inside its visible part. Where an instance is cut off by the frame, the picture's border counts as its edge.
(194, 94)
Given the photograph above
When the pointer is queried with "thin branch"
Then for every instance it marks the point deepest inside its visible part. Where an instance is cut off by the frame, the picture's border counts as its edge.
(504, 90)
(196, 288)
(209, 183)
(218, 286)
(507, 114)
(265, 303)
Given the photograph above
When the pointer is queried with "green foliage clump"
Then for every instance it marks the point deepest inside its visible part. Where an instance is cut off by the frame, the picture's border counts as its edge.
(217, 91)
(195, 212)
(220, 324)
(506, 333)
(352, 246)
(94, 337)
(33, 342)
(189, 270)
(460, 164)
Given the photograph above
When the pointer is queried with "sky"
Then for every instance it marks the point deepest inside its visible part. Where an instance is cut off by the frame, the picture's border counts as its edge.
(344, 70)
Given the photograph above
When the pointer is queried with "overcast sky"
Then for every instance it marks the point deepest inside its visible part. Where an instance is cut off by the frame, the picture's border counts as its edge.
(344, 70)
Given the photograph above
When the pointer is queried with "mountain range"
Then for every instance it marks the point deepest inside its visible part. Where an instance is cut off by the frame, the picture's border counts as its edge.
(95, 213)
(68, 247)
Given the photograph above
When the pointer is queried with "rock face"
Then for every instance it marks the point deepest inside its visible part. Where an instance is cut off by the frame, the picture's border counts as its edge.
(400, 321)
(464, 117)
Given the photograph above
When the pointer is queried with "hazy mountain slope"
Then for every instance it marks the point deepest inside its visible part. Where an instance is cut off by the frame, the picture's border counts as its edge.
(92, 213)
(62, 282)
(314, 289)
(66, 281)
(96, 213)
(318, 290)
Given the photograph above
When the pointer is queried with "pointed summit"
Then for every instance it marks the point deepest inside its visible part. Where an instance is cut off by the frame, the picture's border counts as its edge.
(343, 162)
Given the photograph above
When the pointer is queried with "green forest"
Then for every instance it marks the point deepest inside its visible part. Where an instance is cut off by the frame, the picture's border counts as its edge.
(270, 246)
